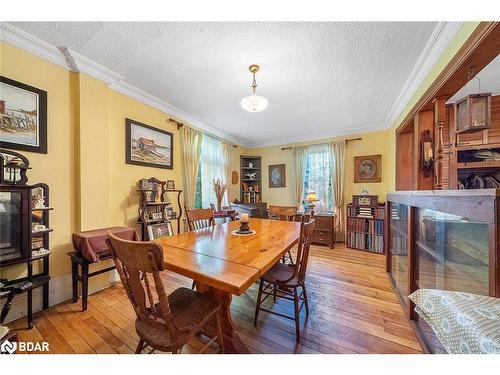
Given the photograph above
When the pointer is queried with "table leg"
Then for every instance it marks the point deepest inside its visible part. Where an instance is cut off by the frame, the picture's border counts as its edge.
(232, 342)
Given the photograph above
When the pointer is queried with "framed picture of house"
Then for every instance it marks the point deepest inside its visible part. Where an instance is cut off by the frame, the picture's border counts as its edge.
(148, 146)
(368, 168)
(277, 176)
(160, 230)
(23, 116)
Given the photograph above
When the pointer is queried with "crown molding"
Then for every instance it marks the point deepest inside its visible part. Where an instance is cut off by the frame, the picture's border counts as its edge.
(93, 69)
(135, 93)
(29, 43)
(75, 62)
(314, 136)
(439, 40)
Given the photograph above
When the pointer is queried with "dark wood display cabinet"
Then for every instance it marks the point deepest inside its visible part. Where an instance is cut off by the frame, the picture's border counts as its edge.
(154, 209)
(24, 231)
(445, 240)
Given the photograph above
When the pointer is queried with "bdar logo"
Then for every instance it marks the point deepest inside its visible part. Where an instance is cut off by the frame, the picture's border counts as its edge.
(8, 347)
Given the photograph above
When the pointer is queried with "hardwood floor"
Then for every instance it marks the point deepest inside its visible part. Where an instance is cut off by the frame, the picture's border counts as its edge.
(352, 310)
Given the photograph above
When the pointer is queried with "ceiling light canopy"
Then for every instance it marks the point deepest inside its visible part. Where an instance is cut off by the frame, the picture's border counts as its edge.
(254, 102)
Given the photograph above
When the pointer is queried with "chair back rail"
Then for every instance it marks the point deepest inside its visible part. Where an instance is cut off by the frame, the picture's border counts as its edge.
(306, 232)
(199, 218)
(283, 213)
(136, 262)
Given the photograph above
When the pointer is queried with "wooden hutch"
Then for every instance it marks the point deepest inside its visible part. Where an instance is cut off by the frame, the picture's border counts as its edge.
(24, 230)
(458, 132)
(443, 222)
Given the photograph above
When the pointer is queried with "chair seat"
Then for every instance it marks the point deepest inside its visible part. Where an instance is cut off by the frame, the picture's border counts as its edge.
(189, 308)
(279, 273)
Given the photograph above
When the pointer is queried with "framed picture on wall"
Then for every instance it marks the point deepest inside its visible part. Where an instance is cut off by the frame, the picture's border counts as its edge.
(367, 168)
(148, 146)
(160, 230)
(277, 176)
(23, 116)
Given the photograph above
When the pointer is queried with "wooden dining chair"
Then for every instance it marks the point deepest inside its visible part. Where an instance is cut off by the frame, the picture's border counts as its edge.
(164, 323)
(284, 280)
(199, 218)
(283, 213)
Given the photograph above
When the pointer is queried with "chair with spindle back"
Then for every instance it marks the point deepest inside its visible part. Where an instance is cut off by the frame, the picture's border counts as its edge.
(284, 280)
(283, 213)
(164, 323)
(199, 218)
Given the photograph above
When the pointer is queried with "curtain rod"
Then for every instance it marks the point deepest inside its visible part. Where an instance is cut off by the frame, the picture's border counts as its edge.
(324, 143)
(181, 124)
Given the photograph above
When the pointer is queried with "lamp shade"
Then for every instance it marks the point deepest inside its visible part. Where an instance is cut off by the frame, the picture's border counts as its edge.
(311, 197)
(254, 103)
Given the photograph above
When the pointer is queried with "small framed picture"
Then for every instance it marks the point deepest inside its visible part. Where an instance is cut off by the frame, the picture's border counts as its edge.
(170, 184)
(277, 176)
(368, 168)
(144, 184)
(156, 231)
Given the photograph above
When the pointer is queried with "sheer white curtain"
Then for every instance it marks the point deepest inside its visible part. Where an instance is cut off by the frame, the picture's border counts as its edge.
(318, 178)
(212, 163)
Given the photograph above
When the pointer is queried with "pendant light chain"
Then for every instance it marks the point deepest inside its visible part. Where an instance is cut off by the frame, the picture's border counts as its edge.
(254, 83)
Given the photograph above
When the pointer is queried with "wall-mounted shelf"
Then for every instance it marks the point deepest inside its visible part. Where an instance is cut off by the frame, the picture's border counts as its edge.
(479, 164)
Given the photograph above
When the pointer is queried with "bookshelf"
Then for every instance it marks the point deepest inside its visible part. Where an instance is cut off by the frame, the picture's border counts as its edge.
(366, 224)
(154, 209)
(251, 179)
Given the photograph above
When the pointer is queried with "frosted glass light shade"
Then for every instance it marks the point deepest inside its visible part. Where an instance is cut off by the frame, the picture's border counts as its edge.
(254, 103)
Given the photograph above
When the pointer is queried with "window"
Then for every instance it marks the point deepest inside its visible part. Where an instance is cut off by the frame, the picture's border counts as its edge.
(210, 167)
(318, 177)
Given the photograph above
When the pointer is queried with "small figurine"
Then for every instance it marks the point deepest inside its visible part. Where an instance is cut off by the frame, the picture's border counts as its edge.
(250, 165)
(251, 176)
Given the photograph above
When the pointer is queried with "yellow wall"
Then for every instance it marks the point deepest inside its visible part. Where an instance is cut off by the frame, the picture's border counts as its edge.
(56, 168)
(380, 142)
(90, 184)
(123, 198)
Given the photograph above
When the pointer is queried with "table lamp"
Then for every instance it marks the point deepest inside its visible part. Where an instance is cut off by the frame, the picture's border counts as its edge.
(311, 197)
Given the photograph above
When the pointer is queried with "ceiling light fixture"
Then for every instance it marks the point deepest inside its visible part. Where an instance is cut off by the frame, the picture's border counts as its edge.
(254, 102)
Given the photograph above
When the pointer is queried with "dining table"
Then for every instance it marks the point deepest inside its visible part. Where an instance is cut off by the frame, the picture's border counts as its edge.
(224, 263)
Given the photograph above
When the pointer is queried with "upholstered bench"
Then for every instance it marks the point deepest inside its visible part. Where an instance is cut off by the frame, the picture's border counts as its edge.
(91, 247)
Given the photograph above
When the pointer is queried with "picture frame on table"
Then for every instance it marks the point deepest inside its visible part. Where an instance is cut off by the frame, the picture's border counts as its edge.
(23, 116)
(159, 230)
(170, 185)
(148, 146)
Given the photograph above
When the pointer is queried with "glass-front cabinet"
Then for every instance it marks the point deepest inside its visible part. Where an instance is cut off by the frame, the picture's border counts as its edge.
(443, 240)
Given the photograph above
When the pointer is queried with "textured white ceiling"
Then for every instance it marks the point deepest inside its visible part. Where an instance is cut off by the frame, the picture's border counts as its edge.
(489, 78)
(320, 78)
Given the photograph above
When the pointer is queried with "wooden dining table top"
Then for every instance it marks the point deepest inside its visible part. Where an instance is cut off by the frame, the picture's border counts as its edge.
(225, 261)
